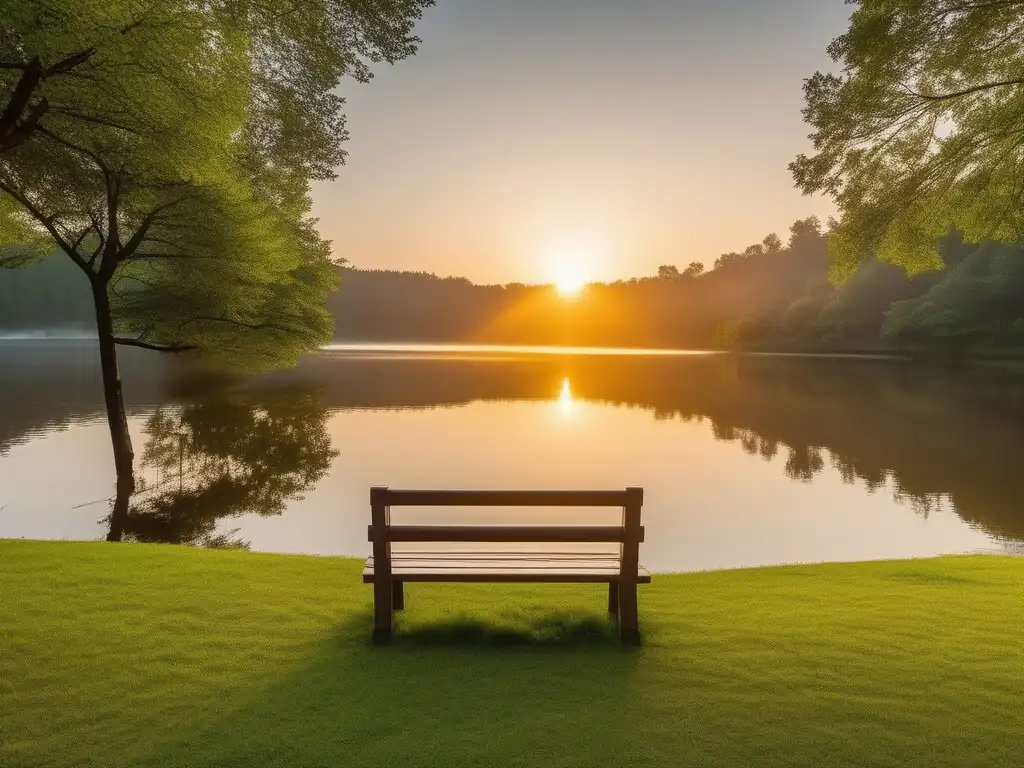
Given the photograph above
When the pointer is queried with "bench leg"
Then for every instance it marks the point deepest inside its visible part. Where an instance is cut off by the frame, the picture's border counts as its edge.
(629, 630)
(398, 596)
(382, 605)
(613, 597)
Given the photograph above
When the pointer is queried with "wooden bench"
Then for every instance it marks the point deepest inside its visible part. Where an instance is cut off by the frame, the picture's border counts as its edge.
(621, 571)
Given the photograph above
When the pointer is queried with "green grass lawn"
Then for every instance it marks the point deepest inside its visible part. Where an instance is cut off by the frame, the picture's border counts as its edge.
(132, 655)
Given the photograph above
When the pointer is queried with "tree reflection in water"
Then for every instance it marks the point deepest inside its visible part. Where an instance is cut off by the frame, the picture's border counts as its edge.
(932, 436)
(223, 451)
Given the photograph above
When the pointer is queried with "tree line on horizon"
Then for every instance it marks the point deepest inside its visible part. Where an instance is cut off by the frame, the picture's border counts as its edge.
(772, 295)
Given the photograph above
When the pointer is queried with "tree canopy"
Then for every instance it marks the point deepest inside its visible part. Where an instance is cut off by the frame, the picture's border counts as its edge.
(172, 163)
(920, 131)
(105, 62)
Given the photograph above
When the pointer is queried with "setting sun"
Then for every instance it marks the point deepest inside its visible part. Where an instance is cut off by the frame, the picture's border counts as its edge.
(569, 288)
(570, 282)
(571, 262)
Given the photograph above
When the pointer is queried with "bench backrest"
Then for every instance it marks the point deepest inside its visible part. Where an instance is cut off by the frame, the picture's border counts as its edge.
(628, 535)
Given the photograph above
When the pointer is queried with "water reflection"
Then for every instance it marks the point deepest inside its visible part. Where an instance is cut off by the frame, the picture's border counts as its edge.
(565, 403)
(869, 444)
(933, 435)
(221, 452)
(46, 387)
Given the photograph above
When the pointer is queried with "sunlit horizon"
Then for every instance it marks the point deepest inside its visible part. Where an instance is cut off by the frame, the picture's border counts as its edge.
(520, 349)
(570, 286)
(618, 149)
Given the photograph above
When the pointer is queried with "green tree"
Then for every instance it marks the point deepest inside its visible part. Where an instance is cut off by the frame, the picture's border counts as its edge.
(104, 62)
(798, 320)
(981, 299)
(920, 130)
(189, 215)
(804, 231)
(739, 333)
(668, 272)
(46, 64)
(727, 258)
(694, 269)
(772, 243)
(856, 309)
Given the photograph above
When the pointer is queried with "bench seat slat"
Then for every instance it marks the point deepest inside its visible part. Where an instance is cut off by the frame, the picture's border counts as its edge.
(503, 554)
(502, 566)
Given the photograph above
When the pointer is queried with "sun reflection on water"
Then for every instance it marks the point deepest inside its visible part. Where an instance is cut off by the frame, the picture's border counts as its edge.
(566, 406)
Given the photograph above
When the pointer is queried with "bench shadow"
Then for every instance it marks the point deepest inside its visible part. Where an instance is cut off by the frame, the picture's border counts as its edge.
(547, 631)
(455, 692)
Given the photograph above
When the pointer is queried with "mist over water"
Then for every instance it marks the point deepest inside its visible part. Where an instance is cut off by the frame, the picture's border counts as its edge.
(57, 334)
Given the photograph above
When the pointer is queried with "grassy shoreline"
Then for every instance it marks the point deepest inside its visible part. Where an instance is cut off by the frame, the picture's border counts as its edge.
(134, 655)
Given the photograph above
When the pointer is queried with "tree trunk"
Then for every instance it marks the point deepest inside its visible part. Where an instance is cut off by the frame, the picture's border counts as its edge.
(18, 120)
(117, 420)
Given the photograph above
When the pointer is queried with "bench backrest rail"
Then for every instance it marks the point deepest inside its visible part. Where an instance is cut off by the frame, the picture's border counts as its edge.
(506, 533)
(412, 498)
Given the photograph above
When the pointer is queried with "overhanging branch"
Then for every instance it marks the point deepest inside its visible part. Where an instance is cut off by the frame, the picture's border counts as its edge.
(139, 236)
(48, 223)
(155, 347)
(966, 91)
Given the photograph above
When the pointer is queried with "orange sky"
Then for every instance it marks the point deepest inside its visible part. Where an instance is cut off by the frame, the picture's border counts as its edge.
(606, 137)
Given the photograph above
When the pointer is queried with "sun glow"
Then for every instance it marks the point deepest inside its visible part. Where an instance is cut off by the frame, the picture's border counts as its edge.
(571, 264)
(570, 283)
(565, 401)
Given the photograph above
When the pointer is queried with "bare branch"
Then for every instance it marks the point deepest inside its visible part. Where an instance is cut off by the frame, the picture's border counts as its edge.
(96, 158)
(47, 222)
(86, 118)
(941, 13)
(22, 129)
(966, 91)
(139, 236)
(81, 237)
(155, 347)
(142, 256)
(69, 62)
(13, 129)
(103, 240)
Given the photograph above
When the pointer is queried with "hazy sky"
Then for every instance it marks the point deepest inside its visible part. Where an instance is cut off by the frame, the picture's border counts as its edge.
(615, 135)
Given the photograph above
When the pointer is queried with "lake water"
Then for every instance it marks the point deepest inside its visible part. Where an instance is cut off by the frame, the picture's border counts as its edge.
(745, 460)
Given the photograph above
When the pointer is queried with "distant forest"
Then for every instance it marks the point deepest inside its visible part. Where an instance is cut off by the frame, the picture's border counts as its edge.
(52, 294)
(774, 295)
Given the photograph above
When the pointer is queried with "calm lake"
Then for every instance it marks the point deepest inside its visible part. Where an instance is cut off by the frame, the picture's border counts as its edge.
(745, 460)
